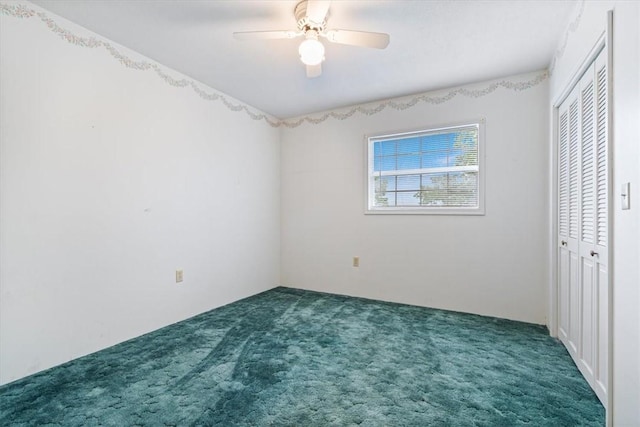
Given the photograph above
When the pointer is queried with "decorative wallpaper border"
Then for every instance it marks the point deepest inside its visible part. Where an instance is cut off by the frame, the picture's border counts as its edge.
(23, 12)
(573, 27)
(428, 98)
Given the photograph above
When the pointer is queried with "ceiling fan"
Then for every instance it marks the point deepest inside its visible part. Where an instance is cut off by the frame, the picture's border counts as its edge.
(311, 16)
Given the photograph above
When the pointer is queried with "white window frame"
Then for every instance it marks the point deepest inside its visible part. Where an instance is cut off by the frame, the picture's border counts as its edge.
(370, 207)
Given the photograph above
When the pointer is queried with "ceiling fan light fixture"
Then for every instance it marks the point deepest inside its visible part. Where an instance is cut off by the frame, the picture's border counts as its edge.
(311, 16)
(311, 51)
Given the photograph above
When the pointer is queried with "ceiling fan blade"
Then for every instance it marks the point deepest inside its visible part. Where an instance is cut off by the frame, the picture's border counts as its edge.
(266, 35)
(358, 38)
(317, 10)
(314, 70)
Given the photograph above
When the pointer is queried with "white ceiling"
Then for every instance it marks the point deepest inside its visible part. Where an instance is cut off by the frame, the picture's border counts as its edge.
(434, 44)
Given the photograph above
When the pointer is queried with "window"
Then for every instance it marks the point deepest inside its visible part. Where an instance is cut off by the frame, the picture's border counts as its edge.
(434, 171)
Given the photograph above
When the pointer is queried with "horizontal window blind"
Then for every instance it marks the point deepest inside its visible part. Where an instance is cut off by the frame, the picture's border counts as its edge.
(429, 169)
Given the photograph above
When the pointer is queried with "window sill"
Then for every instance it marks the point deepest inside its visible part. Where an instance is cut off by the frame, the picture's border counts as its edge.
(425, 211)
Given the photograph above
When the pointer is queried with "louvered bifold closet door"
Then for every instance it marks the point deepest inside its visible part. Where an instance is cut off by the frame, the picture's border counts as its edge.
(563, 224)
(568, 239)
(601, 226)
(586, 348)
(568, 221)
(583, 224)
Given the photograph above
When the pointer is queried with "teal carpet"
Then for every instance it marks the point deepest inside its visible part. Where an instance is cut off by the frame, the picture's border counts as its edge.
(297, 358)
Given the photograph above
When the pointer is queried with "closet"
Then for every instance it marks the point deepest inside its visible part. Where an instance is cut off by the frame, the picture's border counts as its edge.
(583, 224)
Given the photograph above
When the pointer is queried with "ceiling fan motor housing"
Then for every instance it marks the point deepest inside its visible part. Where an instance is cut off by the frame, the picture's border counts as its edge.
(304, 23)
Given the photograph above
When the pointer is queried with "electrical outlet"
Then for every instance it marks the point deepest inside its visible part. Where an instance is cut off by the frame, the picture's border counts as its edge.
(179, 276)
(356, 261)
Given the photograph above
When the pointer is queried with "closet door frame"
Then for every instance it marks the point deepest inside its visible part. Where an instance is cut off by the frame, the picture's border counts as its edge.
(604, 41)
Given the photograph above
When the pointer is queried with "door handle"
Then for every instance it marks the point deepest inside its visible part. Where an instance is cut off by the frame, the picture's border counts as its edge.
(594, 253)
(563, 243)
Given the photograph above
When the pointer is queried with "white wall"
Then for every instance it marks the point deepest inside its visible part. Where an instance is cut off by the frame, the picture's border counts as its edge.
(582, 37)
(110, 179)
(494, 264)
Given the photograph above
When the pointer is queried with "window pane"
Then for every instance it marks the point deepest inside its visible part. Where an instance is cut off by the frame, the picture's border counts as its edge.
(435, 159)
(382, 199)
(388, 163)
(433, 181)
(409, 145)
(408, 198)
(385, 183)
(390, 182)
(409, 182)
(376, 183)
(434, 189)
(385, 199)
(433, 198)
(465, 148)
(463, 189)
(387, 148)
(438, 142)
(376, 148)
(409, 161)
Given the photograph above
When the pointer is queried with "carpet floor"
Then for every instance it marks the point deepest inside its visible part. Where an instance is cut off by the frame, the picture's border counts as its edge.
(289, 357)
